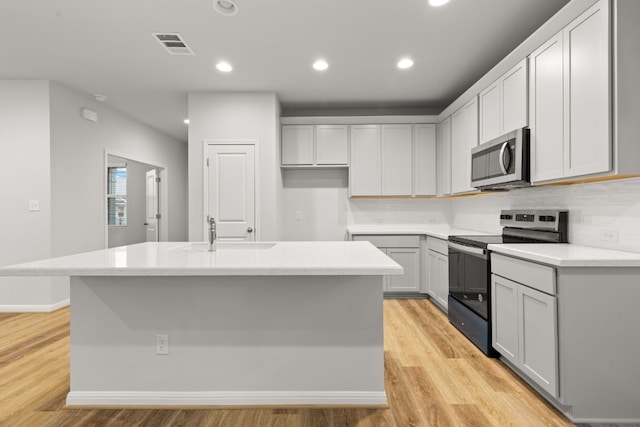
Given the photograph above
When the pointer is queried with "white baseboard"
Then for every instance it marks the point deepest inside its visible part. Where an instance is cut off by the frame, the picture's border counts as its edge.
(33, 308)
(225, 398)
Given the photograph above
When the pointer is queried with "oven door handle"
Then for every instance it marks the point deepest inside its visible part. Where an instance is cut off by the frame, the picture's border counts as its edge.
(469, 249)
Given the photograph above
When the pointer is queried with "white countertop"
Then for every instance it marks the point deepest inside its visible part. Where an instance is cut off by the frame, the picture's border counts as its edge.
(231, 259)
(569, 255)
(441, 231)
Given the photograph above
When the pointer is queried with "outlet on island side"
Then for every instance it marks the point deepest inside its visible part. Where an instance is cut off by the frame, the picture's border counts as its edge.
(162, 344)
(609, 235)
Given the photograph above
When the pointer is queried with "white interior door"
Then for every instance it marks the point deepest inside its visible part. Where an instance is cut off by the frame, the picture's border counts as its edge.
(231, 190)
(151, 217)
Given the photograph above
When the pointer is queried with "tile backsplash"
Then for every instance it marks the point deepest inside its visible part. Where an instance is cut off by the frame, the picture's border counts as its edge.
(602, 214)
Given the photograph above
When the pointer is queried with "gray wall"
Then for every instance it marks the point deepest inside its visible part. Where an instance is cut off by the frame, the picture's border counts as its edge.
(24, 174)
(77, 169)
(237, 116)
(50, 153)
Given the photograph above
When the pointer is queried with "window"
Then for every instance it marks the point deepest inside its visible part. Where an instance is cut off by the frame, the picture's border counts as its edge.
(117, 195)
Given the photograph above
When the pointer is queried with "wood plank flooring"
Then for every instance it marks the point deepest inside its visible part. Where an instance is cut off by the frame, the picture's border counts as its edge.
(434, 377)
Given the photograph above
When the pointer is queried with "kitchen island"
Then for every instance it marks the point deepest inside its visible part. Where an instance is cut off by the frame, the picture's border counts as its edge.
(256, 323)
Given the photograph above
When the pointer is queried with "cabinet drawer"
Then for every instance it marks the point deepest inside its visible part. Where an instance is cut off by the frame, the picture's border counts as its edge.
(390, 241)
(438, 245)
(537, 276)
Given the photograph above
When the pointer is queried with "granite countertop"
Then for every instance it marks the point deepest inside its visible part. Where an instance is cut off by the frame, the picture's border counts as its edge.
(231, 259)
(568, 255)
(441, 231)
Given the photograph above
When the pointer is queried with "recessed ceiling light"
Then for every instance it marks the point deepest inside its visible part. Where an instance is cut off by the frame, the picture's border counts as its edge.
(438, 2)
(405, 63)
(225, 67)
(320, 65)
(225, 7)
(186, 121)
(100, 98)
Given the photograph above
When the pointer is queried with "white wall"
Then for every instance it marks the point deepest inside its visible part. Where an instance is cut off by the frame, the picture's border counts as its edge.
(50, 153)
(134, 231)
(77, 169)
(237, 116)
(24, 173)
(320, 196)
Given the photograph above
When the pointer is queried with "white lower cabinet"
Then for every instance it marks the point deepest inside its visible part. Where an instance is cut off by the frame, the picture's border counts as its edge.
(405, 250)
(524, 321)
(409, 259)
(438, 271)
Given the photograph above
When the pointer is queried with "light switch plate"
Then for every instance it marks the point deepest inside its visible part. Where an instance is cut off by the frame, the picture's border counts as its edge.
(34, 205)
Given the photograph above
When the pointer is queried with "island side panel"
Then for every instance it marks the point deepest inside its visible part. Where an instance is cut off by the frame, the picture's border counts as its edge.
(232, 340)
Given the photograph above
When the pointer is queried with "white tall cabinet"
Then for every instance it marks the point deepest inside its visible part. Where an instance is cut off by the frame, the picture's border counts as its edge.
(424, 165)
(397, 159)
(570, 117)
(464, 137)
(393, 160)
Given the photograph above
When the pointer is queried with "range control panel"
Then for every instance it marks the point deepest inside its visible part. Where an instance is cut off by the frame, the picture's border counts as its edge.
(540, 219)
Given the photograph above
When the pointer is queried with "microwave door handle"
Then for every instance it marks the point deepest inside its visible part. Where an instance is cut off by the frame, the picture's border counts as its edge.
(501, 162)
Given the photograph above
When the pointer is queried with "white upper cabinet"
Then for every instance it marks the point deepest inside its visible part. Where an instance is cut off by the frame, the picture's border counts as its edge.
(424, 165)
(297, 145)
(514, 98)
(464, 137)
(320, 145)
(397, 160)
(365, 169)
(332, 145)
(503, 105)
(569, 111)
(443, 155)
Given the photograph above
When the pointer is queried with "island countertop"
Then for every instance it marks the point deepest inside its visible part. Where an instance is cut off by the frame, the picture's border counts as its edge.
(230, 259)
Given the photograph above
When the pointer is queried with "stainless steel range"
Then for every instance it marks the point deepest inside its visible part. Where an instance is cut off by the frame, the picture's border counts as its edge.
(470, 267)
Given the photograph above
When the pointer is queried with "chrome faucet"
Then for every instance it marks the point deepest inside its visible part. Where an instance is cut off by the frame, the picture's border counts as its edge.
(213, 234)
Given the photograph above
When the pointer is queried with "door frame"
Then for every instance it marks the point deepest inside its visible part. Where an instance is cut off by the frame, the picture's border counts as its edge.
(205, 179)
(163, 193)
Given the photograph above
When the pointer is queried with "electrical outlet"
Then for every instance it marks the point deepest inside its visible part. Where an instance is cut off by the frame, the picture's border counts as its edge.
(298, 215)
(162, 344)
(608, 235)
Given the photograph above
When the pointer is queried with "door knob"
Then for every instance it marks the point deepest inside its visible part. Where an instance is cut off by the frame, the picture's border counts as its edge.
(249, 230)
(146, 223)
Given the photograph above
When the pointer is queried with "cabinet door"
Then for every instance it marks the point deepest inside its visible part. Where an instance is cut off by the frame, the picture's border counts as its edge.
(490, 113)
(297, 145)
(424, 138)
(365, 169)
(546, 112)
(538, 342)
(504, 317)
(587, 140)
(331, 145)
(397, 160)
(432, 274)
(464, 137)
(443, 280)
(409, 259)
(513, 101)
(443, 153)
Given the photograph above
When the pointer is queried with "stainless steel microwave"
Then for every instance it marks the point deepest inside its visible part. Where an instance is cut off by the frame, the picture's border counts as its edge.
(502, 163)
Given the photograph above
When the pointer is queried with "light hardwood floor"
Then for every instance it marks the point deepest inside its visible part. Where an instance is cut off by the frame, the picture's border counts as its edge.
(434, 377)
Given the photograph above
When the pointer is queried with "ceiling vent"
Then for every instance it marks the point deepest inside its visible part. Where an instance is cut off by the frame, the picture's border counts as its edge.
(173, 43)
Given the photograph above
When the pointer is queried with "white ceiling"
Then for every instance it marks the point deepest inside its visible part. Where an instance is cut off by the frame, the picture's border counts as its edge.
(105, 47)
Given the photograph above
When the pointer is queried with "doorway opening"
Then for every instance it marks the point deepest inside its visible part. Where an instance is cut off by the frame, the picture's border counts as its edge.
(135, 201)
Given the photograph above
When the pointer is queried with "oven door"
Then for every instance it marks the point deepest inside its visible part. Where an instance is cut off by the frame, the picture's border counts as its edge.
(469, 277)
